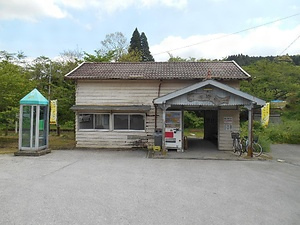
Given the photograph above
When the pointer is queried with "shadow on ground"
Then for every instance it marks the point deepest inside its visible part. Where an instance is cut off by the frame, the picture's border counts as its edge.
(201, 149)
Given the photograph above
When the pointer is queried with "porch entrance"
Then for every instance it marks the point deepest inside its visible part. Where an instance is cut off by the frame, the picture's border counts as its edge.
(201, 130)
(209, 94)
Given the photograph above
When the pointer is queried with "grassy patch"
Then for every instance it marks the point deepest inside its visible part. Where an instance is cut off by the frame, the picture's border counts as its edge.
(196, 133)
(9, 144)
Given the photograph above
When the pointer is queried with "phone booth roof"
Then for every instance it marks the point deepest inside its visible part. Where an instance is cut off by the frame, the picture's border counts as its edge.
(34, 98)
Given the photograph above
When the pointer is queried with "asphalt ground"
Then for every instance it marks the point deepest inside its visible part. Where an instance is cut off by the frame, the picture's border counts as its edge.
(126, 187)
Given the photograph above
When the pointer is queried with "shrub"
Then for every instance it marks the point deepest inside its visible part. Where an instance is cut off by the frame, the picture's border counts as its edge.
(191, 120)
(286, 132)
(260, 131)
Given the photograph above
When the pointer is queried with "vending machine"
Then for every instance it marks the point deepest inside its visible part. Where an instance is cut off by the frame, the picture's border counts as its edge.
(173, 130)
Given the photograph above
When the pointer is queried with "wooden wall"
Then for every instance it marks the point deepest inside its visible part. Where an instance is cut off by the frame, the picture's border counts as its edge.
(120, 92)
(229, 120)
(123, 92)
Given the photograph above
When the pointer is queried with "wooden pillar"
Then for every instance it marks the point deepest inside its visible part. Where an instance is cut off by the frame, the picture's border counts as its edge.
(164, 109)
(250, 130)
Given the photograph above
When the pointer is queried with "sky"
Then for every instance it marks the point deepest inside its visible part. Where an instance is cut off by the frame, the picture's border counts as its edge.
(201, 29)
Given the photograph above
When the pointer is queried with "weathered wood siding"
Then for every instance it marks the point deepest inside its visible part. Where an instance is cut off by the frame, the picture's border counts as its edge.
(225, 127)
(120, 92)
(123, 92)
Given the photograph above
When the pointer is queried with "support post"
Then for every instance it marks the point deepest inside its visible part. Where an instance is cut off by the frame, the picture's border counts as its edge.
(250, 130)
(164, 130)
(164, 107)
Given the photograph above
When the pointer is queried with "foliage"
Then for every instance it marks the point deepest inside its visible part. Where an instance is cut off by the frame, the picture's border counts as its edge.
(116, 43)
(258, 131)
(191, 120)
(245, 60)
(273, 81)
(49, 73)
(190, 59)
(132, 56)
(135, 42)
(99, 57)
(146, 54)
(286, 132)
(139, 45)
(15, 84)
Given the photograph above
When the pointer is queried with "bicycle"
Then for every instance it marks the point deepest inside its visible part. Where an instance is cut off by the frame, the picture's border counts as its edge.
(256, 147)
(236, 143)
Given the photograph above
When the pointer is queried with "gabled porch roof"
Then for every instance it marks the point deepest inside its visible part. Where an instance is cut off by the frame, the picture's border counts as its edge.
(208, 93)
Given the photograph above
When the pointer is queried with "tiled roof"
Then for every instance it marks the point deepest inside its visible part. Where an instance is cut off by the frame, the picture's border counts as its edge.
(158, 71)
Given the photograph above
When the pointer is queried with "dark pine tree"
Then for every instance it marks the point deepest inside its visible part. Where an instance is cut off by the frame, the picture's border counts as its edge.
(135, 42)
(146, 54)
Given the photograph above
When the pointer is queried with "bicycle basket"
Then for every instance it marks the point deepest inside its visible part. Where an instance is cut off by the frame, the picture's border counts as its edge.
(235, 135)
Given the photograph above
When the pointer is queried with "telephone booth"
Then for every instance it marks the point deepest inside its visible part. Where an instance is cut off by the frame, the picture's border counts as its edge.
(33, 123)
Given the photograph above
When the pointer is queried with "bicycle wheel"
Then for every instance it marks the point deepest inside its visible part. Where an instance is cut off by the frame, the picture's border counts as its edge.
(234, 146)
(238, 147)
(257, 149)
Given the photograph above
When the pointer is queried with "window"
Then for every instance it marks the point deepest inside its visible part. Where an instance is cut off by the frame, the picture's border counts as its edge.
(129, 122)
(101, 121)
(94, 121)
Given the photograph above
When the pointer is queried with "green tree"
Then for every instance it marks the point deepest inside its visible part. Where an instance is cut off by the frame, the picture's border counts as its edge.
(272, 80)
(135, 42)
(98, 57)
(146, 54)
(15, 84)
(132, 56)
(48, 73)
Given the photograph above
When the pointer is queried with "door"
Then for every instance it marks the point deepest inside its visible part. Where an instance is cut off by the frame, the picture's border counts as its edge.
(173, 130)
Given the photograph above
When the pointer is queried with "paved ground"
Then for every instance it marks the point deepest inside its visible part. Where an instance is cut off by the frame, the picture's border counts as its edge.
(102, 187)
(204, 150)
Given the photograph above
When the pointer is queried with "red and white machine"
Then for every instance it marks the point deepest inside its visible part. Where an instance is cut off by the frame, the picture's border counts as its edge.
(173, 130)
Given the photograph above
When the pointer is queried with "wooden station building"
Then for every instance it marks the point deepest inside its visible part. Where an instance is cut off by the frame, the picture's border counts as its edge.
(122, 105)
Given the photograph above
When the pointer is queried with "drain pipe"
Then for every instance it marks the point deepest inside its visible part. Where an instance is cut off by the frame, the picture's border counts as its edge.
(155, 106)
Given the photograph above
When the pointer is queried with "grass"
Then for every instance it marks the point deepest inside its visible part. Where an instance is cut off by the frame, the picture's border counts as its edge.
(9, 144)
(196, 133)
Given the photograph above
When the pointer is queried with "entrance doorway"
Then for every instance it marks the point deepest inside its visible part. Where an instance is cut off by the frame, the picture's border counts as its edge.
(201, 129)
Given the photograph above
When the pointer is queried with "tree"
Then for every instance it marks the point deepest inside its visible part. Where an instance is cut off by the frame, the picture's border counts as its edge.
(99, 57)
(139, 45)
(115, 42)
(15, 84)
(135, 42)
(132, 56)
(146, 54)
(72, 55)
(273, 80)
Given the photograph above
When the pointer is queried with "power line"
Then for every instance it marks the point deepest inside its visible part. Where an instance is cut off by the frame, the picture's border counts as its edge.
(227, 35)
(290, 45)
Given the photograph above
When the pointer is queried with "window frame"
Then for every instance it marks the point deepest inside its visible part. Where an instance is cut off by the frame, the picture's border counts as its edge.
(94, 122)
(128, 123)
(111, 122)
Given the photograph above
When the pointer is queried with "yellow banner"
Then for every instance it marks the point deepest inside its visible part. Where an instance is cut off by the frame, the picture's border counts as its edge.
(265, 114)
(53, 112)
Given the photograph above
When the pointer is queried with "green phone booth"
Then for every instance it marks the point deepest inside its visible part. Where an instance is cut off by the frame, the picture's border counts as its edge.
(34, 122)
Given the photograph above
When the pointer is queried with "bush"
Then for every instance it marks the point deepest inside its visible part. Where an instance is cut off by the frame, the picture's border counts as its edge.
(260, 132)
(286, 132)
(191, 120)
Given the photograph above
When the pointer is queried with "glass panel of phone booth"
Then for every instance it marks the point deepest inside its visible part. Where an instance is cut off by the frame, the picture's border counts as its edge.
(26, 126)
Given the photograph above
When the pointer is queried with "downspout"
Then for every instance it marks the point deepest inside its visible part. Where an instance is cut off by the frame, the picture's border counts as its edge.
(155, 106)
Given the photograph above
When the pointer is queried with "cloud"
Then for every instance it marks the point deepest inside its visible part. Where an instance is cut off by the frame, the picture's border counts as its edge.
(33, 9)
(263, 41)
(29, 9)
